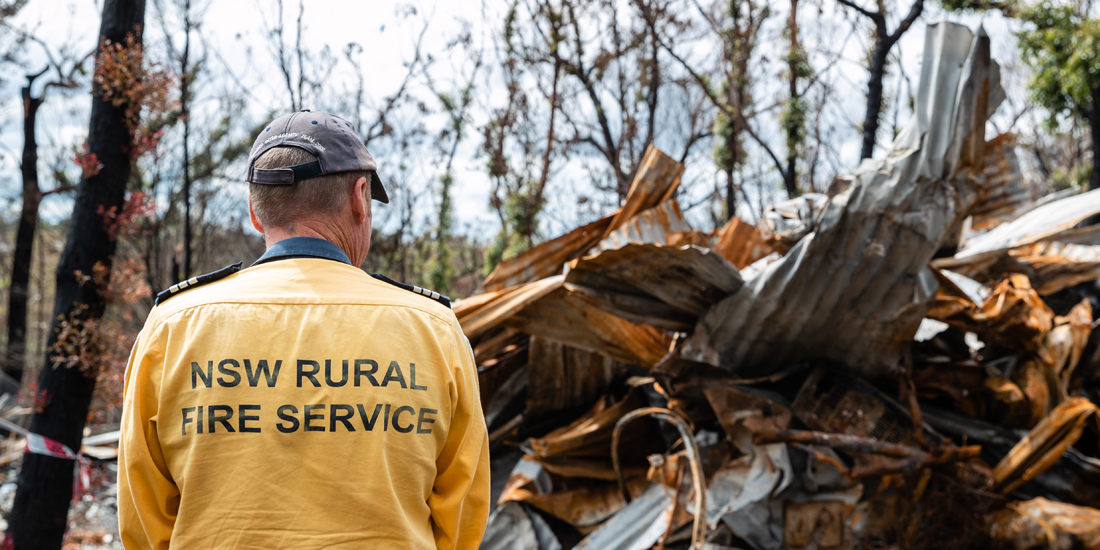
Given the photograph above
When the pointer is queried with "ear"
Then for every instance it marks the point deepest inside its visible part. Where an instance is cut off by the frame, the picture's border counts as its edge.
(360, 201)
(252, 216)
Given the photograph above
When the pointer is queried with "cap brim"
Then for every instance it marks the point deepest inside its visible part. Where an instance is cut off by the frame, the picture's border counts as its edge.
(377, 192)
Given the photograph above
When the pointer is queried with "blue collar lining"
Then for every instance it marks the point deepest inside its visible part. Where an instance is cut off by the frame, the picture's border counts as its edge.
(303, 247)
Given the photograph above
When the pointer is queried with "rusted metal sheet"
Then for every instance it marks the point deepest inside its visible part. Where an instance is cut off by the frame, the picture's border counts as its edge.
(1054, 265)
(1041, 523)
(1044, 222)
(806, 521)
(493, 372)
(584, 504)
(656, 181)
(546, 259)
(583, 448)
(638, 525)
(505, 304)
(861, 276)
(574, 318)
(561, 377)
(657, 178)
(628, 280)
(1004, 195)
(741, 243)
(659, 225)
(1044, 445)
(1013, 316)
(737, 410)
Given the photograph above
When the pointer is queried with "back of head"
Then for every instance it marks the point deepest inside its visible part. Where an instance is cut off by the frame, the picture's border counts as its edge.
(284, 205)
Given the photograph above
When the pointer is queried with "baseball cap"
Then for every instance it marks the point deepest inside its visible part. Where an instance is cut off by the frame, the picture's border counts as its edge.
(328, 137)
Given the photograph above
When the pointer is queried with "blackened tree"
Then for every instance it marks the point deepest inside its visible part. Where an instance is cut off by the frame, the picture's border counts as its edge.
(40, 511)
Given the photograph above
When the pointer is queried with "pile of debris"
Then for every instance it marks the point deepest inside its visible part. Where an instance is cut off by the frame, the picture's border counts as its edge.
(906, 362)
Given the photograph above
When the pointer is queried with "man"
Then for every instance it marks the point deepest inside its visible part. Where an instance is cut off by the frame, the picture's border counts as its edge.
(301, 403)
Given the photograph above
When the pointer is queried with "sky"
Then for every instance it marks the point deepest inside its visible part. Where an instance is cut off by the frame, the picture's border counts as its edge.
(387, 31)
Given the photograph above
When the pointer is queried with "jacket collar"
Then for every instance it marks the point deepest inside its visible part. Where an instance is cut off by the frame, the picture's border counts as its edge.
(303, 247)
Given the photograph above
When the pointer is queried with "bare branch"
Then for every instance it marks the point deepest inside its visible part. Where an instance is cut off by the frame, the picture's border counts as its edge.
(877, 17)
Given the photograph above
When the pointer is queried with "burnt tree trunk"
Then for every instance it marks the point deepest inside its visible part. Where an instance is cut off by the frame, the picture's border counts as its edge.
(15, 355)
(884, 41)
(185, 113)
(874, 94)
(39, 516)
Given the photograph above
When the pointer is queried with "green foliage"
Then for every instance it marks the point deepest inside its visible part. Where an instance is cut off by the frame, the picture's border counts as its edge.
(795, 109)
(1070, 178)
(521, 224)
(729, 142)
(1008, 7)
(1061, 47)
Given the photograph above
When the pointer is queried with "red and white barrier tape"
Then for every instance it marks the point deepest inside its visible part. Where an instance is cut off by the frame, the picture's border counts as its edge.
(42, 445)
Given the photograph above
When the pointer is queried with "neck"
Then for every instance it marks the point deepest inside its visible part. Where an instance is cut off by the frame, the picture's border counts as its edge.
(343, 239)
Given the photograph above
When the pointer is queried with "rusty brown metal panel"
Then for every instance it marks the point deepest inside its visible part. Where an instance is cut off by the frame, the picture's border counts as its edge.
(561, 377)
(1004, 195)
(1055, 265)
(687, 278)
(547, 258)
(573, 318)
(505, 304)
(1041, 523)
(805, 521)
(656, 225)
(1044, 445)
(655, 182)
(657, 178)
(741, 243)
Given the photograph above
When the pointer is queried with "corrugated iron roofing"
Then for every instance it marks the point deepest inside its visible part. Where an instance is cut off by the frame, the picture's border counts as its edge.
(856, 289)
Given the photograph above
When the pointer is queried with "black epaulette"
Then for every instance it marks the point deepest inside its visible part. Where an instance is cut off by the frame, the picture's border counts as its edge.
(197, 281)
(421, 291)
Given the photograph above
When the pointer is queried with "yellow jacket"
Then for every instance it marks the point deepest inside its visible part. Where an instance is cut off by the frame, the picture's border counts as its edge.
(302, 404)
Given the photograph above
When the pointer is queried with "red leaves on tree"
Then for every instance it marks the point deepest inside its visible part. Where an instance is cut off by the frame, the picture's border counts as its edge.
(127, 222)
(124, 79)
(88, 162)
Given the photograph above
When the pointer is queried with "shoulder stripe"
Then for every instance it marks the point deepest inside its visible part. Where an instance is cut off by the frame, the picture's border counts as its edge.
(197, 281)
(421, 291)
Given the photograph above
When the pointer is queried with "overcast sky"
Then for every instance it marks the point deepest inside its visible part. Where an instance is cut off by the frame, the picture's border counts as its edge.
(234, 30)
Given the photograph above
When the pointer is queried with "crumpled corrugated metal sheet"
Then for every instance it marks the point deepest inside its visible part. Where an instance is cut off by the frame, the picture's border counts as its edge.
(741, 243)
(786, 223)
(497, 307)
(561, 377)
(546, 259)
(656, 181)
(513, 527)
(1044, 445)
(862, 275)
(583, 448)
(1044, 222)
(1013, 316)
(656, 225)
(662, 286)
(1041, 523)
(584, 504)
(1054, 265)
(638, 525)
(1004, 194)
(571, 317)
